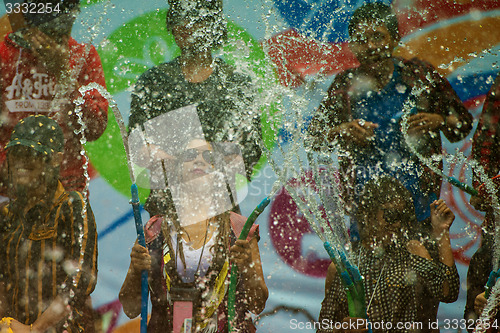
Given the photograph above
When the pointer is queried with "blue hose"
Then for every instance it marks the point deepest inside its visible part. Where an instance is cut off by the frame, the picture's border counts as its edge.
(142, 241)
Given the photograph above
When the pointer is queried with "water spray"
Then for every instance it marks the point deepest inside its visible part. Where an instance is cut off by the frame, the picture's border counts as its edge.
(134, 193)
(488, 183)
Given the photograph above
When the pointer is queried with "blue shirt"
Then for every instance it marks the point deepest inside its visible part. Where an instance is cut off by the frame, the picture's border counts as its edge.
(388, 154)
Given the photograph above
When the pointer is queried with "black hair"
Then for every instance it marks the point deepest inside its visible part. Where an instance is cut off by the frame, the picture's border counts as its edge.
(378, 12)
(378, 192)
(208, 12)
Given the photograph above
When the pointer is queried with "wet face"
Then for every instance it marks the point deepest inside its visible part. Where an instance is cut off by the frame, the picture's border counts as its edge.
(372, 43)
(385, 225)
(197, 160)
(30, 172)
(192, 36)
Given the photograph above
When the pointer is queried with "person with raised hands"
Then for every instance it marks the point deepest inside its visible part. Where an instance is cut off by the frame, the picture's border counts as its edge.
(396, 267)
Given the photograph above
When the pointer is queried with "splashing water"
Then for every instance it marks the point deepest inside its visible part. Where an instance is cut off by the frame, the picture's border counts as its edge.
(310, 196)
(287, 160)
(65, 83)
(430, 162)
(489, 310)
(121, 124)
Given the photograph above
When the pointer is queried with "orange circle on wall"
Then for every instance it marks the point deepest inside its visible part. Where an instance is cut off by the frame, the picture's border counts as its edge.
(452, 46)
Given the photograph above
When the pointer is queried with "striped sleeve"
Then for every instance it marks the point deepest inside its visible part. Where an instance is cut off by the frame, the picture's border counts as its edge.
(81, 249)
(3, 249)
(5, 236)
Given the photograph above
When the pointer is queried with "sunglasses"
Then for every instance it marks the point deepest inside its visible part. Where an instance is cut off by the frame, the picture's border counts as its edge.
(191, 154)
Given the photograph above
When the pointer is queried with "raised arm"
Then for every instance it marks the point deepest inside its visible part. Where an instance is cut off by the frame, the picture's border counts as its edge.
(441, 278)
(442, 218)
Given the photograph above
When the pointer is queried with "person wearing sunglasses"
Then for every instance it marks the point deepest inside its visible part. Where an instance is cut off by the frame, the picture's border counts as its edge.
(189, 249)
(192, 154)
(396, 267)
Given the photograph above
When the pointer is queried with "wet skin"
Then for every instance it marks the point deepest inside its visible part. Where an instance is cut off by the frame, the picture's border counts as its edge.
(31, 173)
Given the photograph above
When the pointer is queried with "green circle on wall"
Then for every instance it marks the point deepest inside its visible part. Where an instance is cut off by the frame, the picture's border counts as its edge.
(145, 42)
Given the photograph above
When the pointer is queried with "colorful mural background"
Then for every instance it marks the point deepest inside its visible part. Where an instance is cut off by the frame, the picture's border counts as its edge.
(295, 46)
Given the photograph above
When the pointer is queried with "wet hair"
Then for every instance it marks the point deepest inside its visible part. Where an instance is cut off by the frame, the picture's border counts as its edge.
(383, 190)
(377, 12)
(208, 12)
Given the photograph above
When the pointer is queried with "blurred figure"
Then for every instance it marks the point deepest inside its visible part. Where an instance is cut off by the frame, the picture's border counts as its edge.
(189, 248)
(49, 237)
(363, 116)
(394, 267)
(485, 150)
(364, 108)
(223, 98)
(41, 69)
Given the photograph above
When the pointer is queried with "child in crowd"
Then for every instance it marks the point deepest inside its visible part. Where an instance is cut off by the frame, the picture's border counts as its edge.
(48, 235)
(396, 269)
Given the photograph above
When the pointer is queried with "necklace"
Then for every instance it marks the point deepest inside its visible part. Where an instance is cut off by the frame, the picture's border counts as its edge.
(183, 259)
(376, 284)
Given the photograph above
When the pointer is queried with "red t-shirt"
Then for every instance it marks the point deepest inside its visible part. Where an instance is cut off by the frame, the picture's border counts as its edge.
(27, 88)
